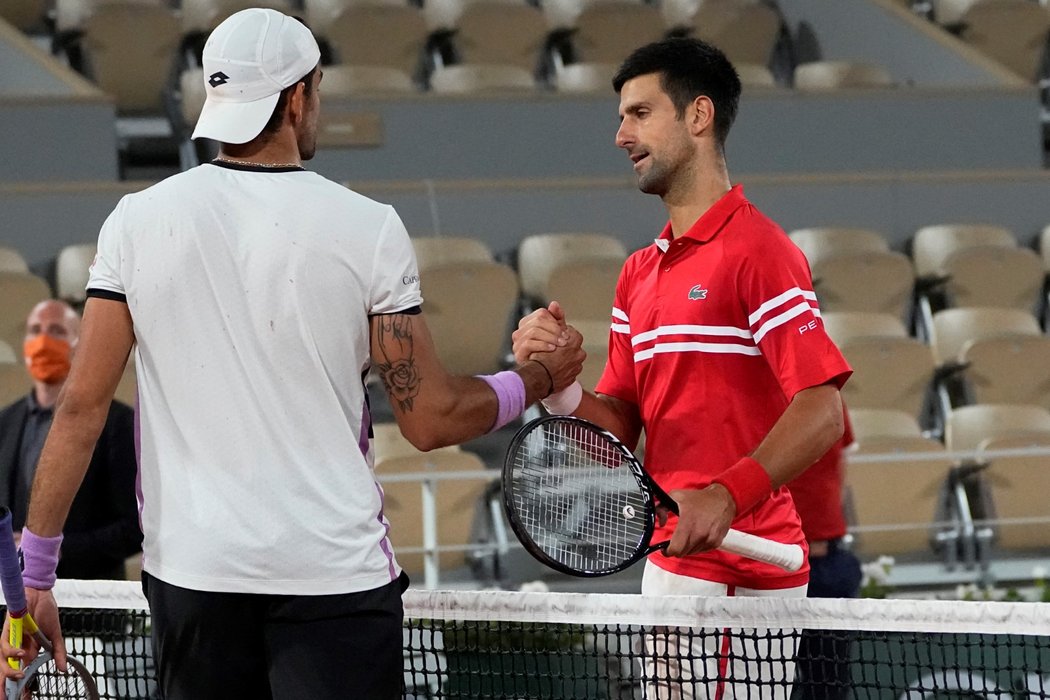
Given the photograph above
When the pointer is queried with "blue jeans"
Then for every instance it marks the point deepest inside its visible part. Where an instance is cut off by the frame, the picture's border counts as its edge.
(822, 668)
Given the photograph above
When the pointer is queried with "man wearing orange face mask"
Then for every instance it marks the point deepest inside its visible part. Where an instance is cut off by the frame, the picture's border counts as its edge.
(102, 529)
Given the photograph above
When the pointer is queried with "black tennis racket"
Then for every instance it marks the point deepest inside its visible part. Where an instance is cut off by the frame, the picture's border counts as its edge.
(582, 504)
(42, 679)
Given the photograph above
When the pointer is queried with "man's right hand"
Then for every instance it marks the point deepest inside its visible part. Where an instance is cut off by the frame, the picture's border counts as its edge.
(44, 609)
(544, 330)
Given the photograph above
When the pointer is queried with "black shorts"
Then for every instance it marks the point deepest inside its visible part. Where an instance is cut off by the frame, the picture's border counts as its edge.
(240, 645)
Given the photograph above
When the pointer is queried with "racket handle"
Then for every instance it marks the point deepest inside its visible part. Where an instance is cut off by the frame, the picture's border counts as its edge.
(10, 567)
(787, 556)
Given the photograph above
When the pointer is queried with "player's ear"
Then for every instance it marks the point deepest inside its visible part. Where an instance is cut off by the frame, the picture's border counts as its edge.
(700, 115)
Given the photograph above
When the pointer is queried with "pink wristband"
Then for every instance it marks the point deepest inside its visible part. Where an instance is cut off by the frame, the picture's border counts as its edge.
(39, 559)
(747, 482)
(510, 395)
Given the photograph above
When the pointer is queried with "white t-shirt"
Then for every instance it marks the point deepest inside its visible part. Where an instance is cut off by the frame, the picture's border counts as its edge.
(250, 293)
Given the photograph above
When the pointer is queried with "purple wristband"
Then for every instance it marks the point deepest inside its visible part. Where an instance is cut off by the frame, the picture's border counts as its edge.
(510, 395)
(39, 559)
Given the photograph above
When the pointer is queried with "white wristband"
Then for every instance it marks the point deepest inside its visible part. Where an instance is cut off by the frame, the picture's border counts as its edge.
(564, 402)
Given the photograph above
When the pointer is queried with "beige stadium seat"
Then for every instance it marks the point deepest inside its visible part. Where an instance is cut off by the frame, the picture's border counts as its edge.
(822, 241)
(70, 15)
(346, 80)
(19, 293)
(888, 372)
(836, 75)
(468, 307)
(1012, 32)
(25, 15)
(577, 269)
(1044, 247)
(875, 424)
(201, 16)
(1016, 485)
(127, 388)
(886, 518)
(501, 33)
(882, 282)
(953, 329)
(844, 326)
(753, 75)
(607, 31)
(596, 345)
(129, 50)
(12, 261)
(71, 272)
(455, 500)
(950, 12)
(1002, 355)
(379, 35)
(465, 79)
(192, 95)
(434, 251)
(320, 13)
(745, 30)
(981, 265)
(585, 77)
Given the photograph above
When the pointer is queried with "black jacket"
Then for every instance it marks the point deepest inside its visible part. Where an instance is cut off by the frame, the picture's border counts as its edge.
(102, 529)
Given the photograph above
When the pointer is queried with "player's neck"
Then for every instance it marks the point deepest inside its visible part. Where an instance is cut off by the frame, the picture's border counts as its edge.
(689, 203)
(277, 150)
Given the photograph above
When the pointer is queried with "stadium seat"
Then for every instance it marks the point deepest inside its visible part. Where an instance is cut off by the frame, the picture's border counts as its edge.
(14, 382)
(843, 326)
(71, 272)
(70, 15)
(999, 355)
(836, 75)
(1014, 487)
(584, 77)
(320, 13)
(607, 31)
(7, 354)
(596, 345)
(433, 251)
(1012, 32)
(26, 15)
(468, 307)
(455, 500)
(973, 265)
(882, 282)
(577, 269)
(20, 292)
(884, 518)
(11, 260)
(127, 387)
(753, 75)
(379, 35)
(350, 80)
(465, 79)
(821, 241)
(888, 372)
(497, 32)
(745, 30)
(129, 50)
(201, 16)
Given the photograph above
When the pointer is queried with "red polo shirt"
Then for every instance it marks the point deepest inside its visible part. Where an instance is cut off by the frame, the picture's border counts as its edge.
(712, 335)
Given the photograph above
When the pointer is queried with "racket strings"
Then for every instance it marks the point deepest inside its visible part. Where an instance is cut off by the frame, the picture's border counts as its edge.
(576, 499)
(48, 683)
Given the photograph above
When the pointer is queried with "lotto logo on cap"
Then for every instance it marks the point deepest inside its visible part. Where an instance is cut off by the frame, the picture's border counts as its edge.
(248, 60)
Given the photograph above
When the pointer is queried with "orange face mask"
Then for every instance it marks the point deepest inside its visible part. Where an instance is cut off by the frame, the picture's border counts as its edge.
(47, 358)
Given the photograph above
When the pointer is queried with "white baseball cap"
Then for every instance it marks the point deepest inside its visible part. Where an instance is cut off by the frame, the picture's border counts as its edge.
(248, 60)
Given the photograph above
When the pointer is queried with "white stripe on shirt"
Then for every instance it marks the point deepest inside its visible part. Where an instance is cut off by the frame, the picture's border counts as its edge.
(781, 319)
(778, 301)
(691, 330)
(620, 315)
(716, 348)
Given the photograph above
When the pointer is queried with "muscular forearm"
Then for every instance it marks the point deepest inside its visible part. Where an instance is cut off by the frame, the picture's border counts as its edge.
(618, 417)
(808, 428)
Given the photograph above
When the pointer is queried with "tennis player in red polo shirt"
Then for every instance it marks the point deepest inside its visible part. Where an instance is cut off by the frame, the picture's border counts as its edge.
(717, 350)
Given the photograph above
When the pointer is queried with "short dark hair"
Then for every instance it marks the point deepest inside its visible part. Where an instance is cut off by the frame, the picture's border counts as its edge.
(277, 118)
(688, 68)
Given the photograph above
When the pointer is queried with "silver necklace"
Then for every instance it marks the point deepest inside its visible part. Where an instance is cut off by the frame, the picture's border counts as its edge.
(258, 165)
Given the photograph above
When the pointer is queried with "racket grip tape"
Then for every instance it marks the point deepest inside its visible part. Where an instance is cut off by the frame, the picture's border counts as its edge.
(789, 557)
(10, 567)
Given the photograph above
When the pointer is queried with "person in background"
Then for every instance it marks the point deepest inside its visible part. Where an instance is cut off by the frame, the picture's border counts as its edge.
(102, 530)
(834, 571)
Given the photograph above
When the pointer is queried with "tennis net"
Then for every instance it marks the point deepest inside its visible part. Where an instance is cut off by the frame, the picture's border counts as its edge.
(513, 645)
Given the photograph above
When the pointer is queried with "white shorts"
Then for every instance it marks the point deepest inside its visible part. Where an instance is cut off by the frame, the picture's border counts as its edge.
(718, 664)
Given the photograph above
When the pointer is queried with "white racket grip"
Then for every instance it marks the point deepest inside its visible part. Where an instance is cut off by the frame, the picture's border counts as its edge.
(787, 556)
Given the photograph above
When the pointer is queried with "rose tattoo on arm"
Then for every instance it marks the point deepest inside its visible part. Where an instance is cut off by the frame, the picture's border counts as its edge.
(398, 367)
